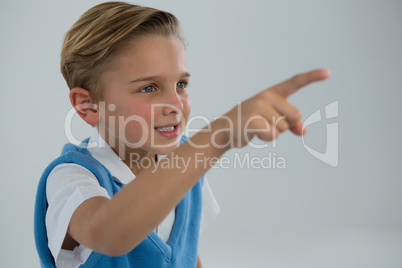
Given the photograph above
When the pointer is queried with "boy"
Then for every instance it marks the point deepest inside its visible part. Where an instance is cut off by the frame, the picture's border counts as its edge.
(114, 201)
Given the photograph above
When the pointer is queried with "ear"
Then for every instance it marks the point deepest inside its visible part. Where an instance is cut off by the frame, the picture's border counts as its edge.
(81, 100)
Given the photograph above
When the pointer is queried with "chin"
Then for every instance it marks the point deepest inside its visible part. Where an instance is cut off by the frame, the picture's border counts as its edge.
(164, 150)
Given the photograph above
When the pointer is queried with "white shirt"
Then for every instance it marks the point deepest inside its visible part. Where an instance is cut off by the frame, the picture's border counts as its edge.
(69, 185)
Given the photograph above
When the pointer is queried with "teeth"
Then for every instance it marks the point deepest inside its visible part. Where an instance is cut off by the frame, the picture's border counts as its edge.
(165, 128)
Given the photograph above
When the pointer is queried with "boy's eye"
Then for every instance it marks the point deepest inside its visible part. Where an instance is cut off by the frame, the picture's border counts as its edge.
(148, 89)
(181, 85)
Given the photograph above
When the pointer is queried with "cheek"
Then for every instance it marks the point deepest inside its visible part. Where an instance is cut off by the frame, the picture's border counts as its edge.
(186, 108)
(131, 121)
(137, 124)
(139, 110)
(138, 117)
(128, 112)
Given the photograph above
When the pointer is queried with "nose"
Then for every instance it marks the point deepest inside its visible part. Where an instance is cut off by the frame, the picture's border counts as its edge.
(173, 103)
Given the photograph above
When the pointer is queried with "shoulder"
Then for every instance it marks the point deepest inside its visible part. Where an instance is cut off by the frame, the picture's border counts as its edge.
(70, 175)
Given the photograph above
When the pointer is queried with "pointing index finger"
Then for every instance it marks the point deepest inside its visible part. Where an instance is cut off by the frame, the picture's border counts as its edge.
(290, 86)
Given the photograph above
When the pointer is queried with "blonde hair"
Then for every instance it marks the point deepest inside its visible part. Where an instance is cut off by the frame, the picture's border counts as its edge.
(102, 31)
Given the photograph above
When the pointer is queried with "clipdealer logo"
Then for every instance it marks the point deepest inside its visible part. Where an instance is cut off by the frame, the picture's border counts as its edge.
(331, 155)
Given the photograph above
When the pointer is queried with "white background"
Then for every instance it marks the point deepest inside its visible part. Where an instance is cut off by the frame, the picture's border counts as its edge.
(308, 214)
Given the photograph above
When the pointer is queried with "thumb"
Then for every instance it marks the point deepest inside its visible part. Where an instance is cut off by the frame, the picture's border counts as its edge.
(290, 86)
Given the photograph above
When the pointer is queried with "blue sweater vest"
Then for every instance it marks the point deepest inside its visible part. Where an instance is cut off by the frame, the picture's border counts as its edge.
(179, 251)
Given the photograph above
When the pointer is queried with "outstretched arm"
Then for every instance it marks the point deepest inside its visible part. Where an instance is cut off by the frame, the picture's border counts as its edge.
(116, 226)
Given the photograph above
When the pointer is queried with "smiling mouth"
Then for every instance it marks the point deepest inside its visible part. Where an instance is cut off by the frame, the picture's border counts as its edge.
(170, 127)
(165, 128)
(170, 131)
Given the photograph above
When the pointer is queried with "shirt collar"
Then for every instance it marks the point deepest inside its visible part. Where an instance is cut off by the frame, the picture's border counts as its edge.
(102, 152)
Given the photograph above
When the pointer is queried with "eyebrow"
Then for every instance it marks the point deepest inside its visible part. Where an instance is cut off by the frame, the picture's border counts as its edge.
(150, 78)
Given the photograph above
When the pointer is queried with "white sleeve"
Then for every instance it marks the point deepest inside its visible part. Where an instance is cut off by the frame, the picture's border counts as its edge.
(67, 187)
(210, 208)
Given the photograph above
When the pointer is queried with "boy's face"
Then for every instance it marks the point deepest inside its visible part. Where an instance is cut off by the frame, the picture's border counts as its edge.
(146, 101)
